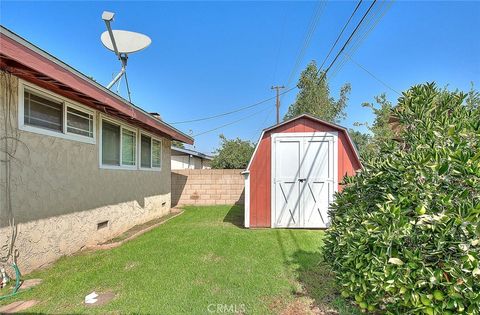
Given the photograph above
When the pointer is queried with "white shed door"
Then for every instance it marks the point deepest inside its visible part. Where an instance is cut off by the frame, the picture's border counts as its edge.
(303, 178)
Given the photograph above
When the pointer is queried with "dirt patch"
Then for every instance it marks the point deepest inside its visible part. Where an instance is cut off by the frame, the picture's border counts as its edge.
(131, 265)
(102, 299)
(17, 307)
(211, 257)
(299, 306)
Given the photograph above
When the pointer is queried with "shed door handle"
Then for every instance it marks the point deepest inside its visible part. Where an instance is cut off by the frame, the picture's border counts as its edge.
(301, 180)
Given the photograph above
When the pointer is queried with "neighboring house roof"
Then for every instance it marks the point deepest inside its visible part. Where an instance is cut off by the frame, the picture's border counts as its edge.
(191, 152)
(29, 62)
(307, 116)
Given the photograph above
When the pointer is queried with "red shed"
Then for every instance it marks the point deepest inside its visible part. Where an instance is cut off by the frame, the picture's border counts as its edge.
(295, 170)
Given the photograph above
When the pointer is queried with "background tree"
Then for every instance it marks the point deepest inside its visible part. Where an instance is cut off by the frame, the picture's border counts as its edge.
(381, 129)
(473, 97)
(178, 144)
(361, 140)
(233, 153)
(314, 97)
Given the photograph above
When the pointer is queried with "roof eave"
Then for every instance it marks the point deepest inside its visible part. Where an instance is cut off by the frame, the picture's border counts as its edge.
(15, 47)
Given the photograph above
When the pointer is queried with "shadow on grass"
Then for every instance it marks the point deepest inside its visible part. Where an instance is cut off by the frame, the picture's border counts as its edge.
(235, 216)
(319, 283)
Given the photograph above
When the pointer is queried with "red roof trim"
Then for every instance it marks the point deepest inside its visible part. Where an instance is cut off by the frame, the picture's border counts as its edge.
(18, 52)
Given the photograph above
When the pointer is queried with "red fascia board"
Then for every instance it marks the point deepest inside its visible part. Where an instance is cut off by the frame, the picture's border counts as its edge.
(31, 59)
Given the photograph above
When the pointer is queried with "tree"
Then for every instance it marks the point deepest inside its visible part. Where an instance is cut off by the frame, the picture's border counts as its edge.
(381, 128)
(404, 233)
(361, 140)
(314, 97)
(473, 97)
(178, 144)
(233, 153)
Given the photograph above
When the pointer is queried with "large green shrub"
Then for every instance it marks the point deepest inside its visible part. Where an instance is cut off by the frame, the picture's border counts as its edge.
(405, 231)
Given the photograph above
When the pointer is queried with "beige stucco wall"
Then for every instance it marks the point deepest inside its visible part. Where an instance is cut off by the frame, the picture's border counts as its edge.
(59, 193)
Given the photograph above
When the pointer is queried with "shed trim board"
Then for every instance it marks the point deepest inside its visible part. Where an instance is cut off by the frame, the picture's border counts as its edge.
(339, 157)
(247, 204)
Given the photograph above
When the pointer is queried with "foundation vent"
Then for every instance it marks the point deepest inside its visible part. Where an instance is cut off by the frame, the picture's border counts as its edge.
(102, 225)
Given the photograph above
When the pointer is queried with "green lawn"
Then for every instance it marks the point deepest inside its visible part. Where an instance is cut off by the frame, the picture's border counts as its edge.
(191, 264)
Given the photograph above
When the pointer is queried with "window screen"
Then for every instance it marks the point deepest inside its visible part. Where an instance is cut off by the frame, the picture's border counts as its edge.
(156, 153)
(146, 151)
(79, 122)
(110, 144)
(42, 112)
(128, 147)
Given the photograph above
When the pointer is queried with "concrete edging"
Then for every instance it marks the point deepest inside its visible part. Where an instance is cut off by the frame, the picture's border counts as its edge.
(117, 244)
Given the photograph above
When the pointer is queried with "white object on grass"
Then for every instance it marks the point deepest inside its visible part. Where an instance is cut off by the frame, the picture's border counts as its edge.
(91, 298)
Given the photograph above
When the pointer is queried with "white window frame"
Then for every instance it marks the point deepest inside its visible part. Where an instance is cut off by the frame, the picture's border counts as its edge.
(64, 134)
(100, 148)
(152, 137)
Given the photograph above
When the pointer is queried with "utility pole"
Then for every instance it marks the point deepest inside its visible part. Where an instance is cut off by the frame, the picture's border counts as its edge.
(277, 87)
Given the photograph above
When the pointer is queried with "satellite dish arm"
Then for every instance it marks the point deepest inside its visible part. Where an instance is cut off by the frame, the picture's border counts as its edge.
(107, 18)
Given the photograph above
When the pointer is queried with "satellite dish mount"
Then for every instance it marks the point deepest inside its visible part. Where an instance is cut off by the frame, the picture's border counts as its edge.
(122, 43)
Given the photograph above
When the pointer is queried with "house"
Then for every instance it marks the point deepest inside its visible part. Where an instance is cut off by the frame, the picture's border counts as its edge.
(189, 159)
(296, 168)
(79, 164)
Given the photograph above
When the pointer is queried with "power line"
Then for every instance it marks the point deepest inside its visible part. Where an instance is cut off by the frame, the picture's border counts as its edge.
(346, 43)
(284, 92)
(372, 75)
(364, 32)
(226, 113)
(230, 123)
(341, 33)
(282, 35)
(254, 134)
(307, 39)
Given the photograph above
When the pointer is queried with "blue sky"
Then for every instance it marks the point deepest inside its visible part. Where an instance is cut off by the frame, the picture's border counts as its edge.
(211, 57)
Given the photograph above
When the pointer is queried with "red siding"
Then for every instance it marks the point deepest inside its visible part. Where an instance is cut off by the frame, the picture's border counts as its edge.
(260, 168)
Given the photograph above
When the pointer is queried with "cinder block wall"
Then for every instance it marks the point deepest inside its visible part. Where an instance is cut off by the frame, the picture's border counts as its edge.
(207, 187)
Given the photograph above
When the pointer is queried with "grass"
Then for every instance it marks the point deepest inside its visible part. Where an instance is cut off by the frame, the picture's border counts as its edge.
(199, 261)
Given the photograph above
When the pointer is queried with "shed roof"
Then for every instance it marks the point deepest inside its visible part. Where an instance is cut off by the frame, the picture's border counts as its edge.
(307, 116)
(29, 62)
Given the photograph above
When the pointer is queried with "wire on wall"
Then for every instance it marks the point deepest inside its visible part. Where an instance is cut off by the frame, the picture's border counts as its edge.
(9, 140)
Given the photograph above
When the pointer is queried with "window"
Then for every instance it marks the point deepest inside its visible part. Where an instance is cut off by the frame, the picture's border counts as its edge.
(110, 144)
(129, 147)
(146, 149)
(79, 122)
(156, 153)
(43, 112)
(151, 152)
(119, 145)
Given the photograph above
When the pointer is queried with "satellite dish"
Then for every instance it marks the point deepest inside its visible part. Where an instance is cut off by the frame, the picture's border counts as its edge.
(127, 42)
(122, 43)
